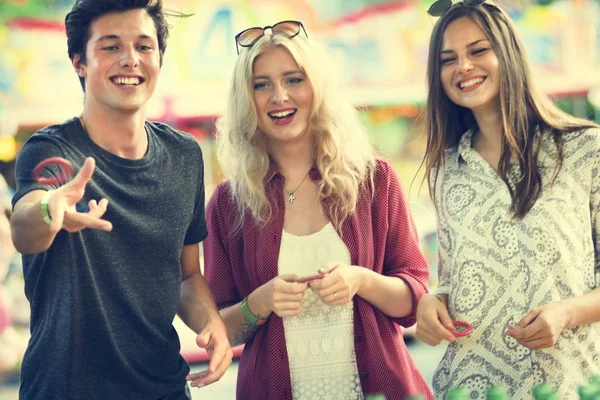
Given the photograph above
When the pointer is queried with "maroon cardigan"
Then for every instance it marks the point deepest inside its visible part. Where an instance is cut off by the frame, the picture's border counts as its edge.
(380, 236)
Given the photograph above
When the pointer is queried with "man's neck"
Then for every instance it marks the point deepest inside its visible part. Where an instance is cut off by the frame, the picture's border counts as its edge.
(122, 134)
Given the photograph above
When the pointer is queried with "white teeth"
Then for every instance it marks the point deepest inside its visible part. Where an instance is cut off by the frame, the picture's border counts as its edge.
(282, 114)
(129, 81)
(471, 82)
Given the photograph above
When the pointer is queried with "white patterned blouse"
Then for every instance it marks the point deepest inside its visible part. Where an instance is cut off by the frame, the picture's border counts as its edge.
(495, 268)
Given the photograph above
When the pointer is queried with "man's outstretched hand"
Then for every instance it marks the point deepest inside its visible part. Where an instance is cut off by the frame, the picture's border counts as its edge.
(63, 202)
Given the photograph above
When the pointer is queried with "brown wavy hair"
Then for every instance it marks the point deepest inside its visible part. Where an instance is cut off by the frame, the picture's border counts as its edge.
(525, 112)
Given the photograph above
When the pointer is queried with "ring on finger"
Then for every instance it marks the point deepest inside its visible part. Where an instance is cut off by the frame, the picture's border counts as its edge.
(334, 296)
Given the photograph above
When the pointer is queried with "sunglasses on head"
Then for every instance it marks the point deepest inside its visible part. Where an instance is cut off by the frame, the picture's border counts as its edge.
(438, 8)
(248, 37)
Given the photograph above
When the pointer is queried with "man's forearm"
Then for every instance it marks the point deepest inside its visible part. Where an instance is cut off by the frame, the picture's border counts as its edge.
(30, 234)
(197, 307)
(196, 304)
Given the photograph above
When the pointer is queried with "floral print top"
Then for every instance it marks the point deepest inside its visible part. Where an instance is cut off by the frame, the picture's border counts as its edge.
(495, 268)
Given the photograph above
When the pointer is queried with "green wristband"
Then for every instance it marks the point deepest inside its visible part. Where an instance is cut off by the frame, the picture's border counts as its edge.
(44, 207)
(249, 315)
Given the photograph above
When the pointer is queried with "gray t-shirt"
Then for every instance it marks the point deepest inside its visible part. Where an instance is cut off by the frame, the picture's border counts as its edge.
(103, 303)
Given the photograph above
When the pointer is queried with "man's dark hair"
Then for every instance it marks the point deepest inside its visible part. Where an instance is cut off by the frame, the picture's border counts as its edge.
(84, 12)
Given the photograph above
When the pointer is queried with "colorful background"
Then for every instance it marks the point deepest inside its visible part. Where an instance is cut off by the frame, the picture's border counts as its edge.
(380, 48)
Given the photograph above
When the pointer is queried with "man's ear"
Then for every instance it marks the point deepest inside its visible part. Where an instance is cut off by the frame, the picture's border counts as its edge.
(79, 66)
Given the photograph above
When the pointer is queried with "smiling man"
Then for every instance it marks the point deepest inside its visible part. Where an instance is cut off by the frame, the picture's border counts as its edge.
(105, 283)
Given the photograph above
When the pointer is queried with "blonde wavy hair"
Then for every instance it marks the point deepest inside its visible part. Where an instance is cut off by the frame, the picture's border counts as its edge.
(344, 155)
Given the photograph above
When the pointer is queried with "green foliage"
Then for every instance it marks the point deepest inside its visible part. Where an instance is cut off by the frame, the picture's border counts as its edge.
(50, 9)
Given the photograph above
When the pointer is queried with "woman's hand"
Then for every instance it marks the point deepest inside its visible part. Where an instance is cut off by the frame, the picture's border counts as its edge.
(433, 320)
(542, 326)
(282, 295)
(339, 284)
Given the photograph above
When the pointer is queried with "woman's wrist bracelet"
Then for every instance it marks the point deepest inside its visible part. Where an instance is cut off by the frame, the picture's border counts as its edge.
(254, 319)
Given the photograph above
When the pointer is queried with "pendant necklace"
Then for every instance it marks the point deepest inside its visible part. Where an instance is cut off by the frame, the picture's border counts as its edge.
(291, 195)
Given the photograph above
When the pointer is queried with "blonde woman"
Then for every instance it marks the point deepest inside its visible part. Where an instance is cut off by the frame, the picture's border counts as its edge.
(306, 196)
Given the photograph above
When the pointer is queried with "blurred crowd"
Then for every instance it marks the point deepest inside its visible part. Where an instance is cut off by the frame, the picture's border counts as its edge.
(14, 308)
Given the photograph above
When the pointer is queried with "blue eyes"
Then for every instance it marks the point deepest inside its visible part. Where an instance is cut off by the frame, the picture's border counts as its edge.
(259, 86)
(267, 85)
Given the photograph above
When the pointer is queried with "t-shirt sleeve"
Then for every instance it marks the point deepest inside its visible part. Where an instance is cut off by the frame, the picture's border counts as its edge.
(403, 256)
(197, 230)
(34, 151)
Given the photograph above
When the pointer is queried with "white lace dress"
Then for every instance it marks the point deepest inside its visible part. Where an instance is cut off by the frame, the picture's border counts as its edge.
(320, 341)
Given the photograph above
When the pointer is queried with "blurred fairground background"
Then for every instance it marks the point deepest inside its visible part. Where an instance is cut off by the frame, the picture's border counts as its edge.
(381, 48)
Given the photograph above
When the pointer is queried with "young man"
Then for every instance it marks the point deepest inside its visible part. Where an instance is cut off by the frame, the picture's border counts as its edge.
(105, 284)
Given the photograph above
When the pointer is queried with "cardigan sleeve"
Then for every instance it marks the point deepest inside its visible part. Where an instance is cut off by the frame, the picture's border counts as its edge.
(217, 247)
(403, 257)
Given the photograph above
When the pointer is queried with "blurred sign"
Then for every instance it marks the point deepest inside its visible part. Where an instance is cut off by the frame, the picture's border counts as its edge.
(380, 46)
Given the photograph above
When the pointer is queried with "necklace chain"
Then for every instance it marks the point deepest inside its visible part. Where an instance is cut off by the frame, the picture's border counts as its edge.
(291, 195)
